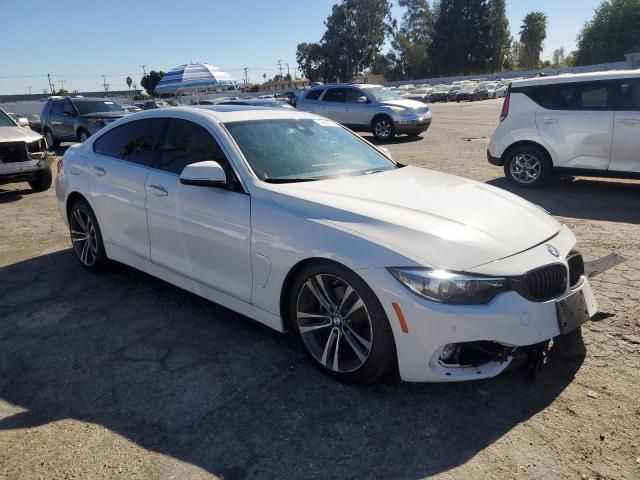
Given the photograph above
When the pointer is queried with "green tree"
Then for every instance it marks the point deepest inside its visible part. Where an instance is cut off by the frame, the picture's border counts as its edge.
(532, 33)
(500, 35)
(356, 30)
(409, 55)
(614, 29)
(461, 40)
(151, 80)
(62, 92)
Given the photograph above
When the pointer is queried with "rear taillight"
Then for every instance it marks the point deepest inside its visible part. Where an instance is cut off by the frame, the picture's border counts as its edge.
(505, 105)
(59, 164)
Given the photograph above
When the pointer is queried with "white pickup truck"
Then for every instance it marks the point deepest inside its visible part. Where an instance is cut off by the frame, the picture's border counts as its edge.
(24, 156)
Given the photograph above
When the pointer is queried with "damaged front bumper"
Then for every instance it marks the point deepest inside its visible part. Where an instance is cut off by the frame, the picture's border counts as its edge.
(18, 171)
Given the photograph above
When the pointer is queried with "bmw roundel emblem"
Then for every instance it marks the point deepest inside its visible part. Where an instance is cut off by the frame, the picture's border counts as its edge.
(553, 250)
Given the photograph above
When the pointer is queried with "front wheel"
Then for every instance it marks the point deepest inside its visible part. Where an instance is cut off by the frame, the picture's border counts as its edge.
(51, 141)
(42, 180)
(341, 324)
(86, 237)
(527, 166)
(383, 129)
(83, 135)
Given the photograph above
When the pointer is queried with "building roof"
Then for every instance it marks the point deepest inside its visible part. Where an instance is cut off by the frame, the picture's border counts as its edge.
(634, 49)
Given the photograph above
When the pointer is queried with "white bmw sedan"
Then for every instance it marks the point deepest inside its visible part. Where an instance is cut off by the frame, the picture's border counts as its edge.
(294, 221)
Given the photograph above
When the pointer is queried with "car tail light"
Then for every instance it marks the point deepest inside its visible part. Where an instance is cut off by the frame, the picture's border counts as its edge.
(59, 164)
(505, 105)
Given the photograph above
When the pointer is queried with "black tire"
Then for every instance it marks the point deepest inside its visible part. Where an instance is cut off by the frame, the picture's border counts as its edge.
(99, 260)
(383, 129)
(42, 180)
(83, 135)
(51, 140)
(536, 161)
(381, 357)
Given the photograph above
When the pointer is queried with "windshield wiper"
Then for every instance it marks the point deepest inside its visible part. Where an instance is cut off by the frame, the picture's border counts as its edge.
(289, 180)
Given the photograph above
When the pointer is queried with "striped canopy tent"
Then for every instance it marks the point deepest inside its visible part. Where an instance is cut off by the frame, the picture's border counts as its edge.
(195, 77)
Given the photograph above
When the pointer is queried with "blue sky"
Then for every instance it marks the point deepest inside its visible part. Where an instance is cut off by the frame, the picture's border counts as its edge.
(78, 41)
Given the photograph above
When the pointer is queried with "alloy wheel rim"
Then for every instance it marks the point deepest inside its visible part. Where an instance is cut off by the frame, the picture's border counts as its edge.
(383, 128)
(83, 237)
(525, 168)
(334, 323)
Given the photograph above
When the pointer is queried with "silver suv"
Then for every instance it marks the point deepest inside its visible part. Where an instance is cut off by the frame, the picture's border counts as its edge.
(371, 108)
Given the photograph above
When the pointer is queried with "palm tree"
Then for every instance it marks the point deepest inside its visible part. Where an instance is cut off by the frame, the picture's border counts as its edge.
(129, 82)
(533, 31)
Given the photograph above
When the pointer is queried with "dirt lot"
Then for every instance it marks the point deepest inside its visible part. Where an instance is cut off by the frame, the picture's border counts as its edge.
(125, 376)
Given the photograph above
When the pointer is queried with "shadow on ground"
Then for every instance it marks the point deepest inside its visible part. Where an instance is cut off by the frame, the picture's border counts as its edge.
(187, 378)
(7, 196)
(589, 198)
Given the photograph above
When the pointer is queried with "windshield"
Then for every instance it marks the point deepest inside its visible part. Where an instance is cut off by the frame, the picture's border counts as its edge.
(381, 94)
(295, 150)
(5, 120)
(97, 106)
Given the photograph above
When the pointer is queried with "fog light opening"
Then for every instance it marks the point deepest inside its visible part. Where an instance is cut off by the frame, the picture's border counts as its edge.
(448, 351)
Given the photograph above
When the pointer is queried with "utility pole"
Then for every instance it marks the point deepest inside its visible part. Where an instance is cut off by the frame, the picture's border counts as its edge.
(280, 67)
(62, 84)
(144, 69)
(246, 78)
(104, 83)
(50, 84)
(29, 90)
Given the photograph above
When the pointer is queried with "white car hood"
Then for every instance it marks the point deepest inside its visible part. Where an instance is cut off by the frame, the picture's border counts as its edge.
(437, 219)
(18, 134)
(405, 102)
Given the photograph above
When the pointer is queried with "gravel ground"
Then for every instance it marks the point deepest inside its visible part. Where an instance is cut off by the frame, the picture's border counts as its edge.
(124, 376)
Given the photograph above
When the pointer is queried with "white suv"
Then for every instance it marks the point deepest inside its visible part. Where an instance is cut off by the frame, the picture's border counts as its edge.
(586, 124)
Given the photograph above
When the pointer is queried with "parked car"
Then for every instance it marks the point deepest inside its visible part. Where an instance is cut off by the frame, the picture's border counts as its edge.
(288, 97)
(583, 124)
(472, 93)
(440, 94)
(67, 119)
(23, 155)
(419, 94)
(152, 104)
(33, 120)
(290, 219)
(131, 108)
(368, 107)
(499, 91)
(453, 93)
(258, 102)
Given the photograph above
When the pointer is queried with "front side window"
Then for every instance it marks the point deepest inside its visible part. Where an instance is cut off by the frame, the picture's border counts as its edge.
(294, 150)
(136, 142)
(335, 95)
(579, 96)
(628, 95)
(5, 120)
(314, 94)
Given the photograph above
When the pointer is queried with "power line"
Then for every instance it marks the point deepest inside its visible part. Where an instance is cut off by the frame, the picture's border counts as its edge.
(280, 67)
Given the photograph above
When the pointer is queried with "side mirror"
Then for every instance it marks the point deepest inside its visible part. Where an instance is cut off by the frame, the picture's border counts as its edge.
(362, 99)
(23, 122)
(204, 174)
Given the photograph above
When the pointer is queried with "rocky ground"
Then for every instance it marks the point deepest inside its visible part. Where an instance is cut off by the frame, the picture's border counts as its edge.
(124, 376)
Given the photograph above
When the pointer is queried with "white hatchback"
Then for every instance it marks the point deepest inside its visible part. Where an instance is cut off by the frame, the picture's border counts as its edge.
(586, 124)
(292, 220)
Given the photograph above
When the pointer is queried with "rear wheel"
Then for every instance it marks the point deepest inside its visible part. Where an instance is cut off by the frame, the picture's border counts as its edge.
(86, 237)
(383, 128)
(83, 135)
(42, 180)
(341, 324)
(527, 166)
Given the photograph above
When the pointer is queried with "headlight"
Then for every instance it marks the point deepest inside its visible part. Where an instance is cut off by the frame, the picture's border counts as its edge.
(400, 110)
(452, 288)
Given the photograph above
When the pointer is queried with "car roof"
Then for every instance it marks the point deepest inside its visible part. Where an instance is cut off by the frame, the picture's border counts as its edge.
(227, 113)
(577, 77)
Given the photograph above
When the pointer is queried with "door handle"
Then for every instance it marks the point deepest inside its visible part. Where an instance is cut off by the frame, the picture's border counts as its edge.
(630, 121)
(159, 190)
(550, 121)
(100, 171)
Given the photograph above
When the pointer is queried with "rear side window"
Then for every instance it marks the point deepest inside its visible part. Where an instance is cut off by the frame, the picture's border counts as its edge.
(135, 142)
(579, 96)
(628, 95)
(314, 94)
(335, 95)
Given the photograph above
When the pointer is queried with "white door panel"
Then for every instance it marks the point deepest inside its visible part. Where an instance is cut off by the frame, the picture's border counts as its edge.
(625, 155)
(202, 233)
(581, 139)
(117, 192)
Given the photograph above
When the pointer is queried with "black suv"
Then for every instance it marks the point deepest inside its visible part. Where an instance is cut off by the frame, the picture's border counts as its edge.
(76, 119)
